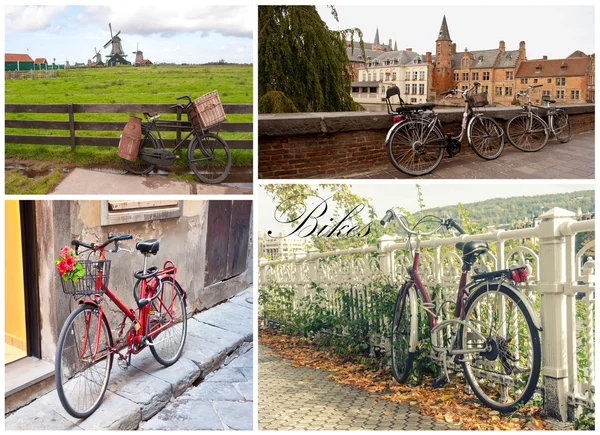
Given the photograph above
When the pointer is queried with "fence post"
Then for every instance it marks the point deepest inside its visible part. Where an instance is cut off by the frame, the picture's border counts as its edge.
(178, 139)
(72, 126)
(262, 263)
(553, 306)
(313, 270)
(386, 255)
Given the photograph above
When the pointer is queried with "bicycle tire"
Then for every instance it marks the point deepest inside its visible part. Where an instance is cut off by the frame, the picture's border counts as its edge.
(562, 131)
(511, 301)
(410, 142)
(209, 158)
(524, 138)
(64, 359)
(159, 307)
(486, 137)
(141, 167)
(401, 358)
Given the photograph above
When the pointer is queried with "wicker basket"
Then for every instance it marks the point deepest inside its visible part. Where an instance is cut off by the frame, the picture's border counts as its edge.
(94, 281)
(206, 111)
(478, 100)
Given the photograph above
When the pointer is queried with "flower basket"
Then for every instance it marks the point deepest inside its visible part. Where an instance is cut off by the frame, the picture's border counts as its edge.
(93, 282)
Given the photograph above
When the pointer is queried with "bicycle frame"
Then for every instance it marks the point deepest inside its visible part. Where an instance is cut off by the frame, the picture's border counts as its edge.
(154, 126)
(135, 344)
(459, 313)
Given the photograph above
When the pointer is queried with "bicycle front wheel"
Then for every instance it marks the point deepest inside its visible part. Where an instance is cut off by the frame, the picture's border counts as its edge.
(404, 332)
(561, 126)
(415, 148)
(83, 362)
(169, 308)
(486, 137)
(527, 132)
(504, 375)
(139, 166)
(209, 158)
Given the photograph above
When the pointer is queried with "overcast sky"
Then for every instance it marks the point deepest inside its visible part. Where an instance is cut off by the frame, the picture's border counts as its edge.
(166, 32)
(555, 31)
(435, 195)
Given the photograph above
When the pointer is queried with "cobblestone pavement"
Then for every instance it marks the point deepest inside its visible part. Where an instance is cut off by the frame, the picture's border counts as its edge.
(300, 398)
(223, 401)
(572, 160)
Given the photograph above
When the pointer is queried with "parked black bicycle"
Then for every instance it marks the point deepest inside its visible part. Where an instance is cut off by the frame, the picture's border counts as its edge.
(208, 154)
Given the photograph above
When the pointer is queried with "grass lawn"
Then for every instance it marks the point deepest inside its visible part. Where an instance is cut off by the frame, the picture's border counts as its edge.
(16, 183)
(152, 85)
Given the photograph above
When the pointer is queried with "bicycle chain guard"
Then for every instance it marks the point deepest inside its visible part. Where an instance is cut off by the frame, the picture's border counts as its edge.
(452, 146)
(158, 157)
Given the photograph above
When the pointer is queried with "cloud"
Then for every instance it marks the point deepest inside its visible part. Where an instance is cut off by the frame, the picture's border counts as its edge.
(166, 21)
(30, 18)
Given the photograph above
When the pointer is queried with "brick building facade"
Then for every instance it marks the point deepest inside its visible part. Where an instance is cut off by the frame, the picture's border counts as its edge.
(494, 68)
(568, 81)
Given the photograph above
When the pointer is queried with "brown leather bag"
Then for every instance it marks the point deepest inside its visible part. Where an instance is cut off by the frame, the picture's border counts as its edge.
(131, 138)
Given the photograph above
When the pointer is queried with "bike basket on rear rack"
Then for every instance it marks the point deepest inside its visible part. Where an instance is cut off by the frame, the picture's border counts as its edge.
(94, 282)
(478, 100)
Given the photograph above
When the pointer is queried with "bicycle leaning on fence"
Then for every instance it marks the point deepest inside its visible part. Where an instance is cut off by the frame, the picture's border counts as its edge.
(492, 331)
(208, 154)
(416, 144)
(86, 346)
(529, 132)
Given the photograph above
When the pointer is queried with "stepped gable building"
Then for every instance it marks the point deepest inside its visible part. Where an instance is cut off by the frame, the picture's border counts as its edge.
(494, 68)
(568, 81)
(408, 70)
(372, 50)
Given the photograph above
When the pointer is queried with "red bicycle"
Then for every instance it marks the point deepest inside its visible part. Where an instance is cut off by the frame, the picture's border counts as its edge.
(86, 347)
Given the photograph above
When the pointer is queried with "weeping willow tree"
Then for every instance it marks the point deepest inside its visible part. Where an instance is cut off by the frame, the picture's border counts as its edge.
(303, 66)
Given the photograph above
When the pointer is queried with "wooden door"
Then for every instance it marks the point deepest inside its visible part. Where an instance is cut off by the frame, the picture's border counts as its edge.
(227, 235)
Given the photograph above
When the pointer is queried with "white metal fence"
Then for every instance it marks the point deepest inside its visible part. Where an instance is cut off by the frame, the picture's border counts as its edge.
(562, 285)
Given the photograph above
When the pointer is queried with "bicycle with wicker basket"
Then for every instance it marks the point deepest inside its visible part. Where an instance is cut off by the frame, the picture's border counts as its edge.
(86, 346)
(416, 144)
(208, 154)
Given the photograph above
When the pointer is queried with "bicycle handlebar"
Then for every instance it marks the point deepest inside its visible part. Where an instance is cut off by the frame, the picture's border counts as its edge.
(401, 218)
(112, 238)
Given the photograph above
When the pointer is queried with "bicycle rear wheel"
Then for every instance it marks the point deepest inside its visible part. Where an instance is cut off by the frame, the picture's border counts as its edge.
(139, 166)
(404, 331)
(209, 158)
(168, 308)
(81, 374)
(505, 377)
(486, 137)
(527, 133)
(561, 126)
(414, 148)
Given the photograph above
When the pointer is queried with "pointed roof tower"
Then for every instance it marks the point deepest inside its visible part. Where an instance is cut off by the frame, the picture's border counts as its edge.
(396, 46)
(376, 41)
(444, 34)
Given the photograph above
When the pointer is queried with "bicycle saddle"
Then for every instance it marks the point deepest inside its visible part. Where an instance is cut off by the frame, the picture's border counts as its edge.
(148, 247)
(475, 247)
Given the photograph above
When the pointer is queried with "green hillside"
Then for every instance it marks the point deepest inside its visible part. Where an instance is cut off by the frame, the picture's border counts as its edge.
(506, 210)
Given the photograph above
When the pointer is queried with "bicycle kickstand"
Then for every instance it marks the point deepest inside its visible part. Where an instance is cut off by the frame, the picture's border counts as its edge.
(124, 361)
(441, 381)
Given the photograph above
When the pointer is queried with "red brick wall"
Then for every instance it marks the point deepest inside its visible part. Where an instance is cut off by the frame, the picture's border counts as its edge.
(335, 155)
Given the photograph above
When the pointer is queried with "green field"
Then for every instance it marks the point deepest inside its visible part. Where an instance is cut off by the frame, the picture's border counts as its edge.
(151, 85)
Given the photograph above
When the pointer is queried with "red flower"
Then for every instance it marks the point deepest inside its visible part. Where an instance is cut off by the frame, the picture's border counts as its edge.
(64, 251)
(62, 267)
(70, 262)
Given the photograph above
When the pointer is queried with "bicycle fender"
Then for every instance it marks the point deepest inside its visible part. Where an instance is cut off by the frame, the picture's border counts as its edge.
(522, 298)
(414, 319)
(392, 129)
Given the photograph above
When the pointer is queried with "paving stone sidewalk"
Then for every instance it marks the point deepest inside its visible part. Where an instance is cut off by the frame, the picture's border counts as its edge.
(219, 336)
(301, 398)
(572, 160)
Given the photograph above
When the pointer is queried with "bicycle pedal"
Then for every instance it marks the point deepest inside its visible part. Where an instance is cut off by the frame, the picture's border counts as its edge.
(439, 382)
(123, 364)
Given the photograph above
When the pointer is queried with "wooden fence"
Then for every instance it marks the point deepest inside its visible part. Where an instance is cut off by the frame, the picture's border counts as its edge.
(29, 74)
(179, 126)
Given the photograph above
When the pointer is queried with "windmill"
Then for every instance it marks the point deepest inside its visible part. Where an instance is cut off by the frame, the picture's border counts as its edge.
(139, 55)
(117, 55)
(97, 57)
